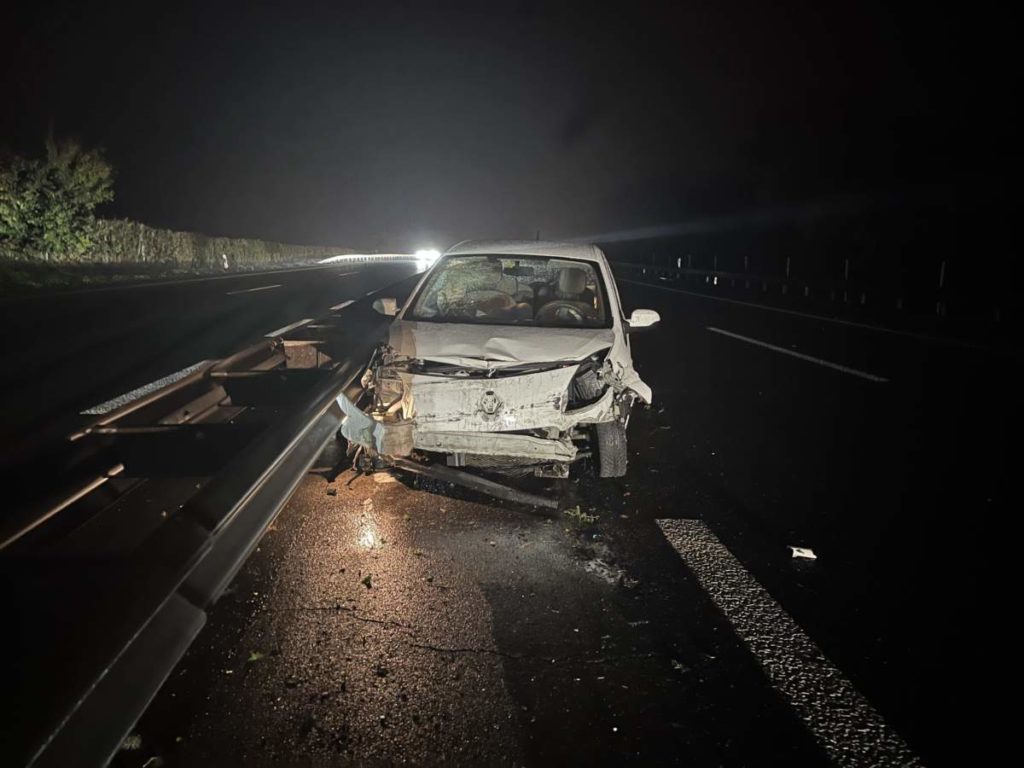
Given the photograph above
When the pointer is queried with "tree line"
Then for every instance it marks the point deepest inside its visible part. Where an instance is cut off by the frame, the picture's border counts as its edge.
(47, 214)
(48, 203)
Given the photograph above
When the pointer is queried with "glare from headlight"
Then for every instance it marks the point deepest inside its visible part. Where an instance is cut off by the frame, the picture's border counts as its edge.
(426, 257)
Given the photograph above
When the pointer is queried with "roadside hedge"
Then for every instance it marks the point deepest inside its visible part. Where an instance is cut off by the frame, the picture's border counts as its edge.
(120, 241)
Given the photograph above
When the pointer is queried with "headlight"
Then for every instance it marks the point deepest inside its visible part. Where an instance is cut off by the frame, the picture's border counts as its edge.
(587, 385)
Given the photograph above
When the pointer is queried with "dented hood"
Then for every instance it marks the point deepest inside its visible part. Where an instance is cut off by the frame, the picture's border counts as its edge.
(495, 346)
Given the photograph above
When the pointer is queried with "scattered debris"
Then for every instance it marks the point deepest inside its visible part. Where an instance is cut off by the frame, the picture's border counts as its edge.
(576, 514)
(803, 553)
(603, 570)
(332, 491)
(680, 667)
(256, 656)
(367, 581)
(132, 743)
(383, 477)
(628, 583)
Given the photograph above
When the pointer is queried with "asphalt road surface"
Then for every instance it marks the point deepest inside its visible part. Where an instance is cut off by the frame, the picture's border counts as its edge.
(387, 621)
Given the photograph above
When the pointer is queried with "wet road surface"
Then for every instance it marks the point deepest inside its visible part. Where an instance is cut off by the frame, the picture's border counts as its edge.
(383, 621)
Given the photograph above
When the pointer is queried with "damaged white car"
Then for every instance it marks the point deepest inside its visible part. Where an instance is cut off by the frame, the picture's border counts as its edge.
(509, 357)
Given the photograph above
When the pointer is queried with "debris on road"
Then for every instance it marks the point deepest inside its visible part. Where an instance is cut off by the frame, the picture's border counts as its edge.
(680, 667)
(367, 581)
(332, 491)
(803, 553)
(132, 743)
(256, 656)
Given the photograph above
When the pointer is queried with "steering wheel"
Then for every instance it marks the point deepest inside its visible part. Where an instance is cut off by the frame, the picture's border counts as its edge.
(562, 309)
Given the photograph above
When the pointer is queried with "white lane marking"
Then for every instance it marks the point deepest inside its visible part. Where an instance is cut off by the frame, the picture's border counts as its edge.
(343, 304)
(145, 389)
(823, 318)
(292, 327)
(801, 356)
(346, 274)
(253, 290)
(844, 723)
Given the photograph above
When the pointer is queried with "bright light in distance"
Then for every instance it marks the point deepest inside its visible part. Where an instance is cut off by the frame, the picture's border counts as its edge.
(425, 257)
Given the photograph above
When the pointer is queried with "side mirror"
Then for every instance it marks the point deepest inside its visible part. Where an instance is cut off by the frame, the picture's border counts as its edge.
(387, 307)
(642, 318)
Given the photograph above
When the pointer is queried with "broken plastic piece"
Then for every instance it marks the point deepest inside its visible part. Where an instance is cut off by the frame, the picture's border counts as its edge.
(803, 553)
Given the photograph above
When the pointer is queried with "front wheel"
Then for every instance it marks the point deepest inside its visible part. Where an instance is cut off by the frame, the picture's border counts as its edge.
(611, 449)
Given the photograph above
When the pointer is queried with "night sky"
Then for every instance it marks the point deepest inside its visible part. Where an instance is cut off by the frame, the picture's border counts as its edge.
(404, 124)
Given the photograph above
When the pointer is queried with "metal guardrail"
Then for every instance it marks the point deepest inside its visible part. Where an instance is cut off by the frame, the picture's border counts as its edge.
(370, 258)
(110, 583)
(845, 291)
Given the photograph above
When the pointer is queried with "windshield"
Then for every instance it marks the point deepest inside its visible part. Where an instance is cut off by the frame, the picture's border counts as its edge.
(513, 290)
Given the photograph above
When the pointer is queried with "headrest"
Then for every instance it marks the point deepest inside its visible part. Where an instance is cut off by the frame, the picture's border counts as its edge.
(572, 281)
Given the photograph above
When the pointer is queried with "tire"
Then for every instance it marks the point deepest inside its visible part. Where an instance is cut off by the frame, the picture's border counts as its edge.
(611, 449)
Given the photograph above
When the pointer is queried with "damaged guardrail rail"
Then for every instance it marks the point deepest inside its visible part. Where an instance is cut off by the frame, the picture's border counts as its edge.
(109, 581)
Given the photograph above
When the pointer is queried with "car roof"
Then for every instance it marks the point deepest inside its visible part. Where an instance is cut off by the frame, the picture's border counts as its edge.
(581, 251)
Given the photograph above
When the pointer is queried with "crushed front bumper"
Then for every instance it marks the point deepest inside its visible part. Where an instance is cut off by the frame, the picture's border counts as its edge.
(402, 437)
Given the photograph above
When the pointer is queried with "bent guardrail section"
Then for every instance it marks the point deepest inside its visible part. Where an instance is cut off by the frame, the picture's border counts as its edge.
(110, 585)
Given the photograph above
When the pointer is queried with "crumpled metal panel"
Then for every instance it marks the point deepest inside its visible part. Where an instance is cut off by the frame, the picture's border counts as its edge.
(530, 401)
(495, 346)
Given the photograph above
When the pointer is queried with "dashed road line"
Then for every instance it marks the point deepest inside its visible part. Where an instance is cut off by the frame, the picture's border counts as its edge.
(843, 722)
(343, 304)
(801, 356)
(145, 389)
(253, 290)
(285, 329)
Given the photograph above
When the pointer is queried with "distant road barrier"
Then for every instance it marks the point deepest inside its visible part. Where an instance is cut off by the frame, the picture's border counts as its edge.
(923, 292)
(423, 258)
